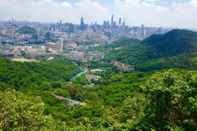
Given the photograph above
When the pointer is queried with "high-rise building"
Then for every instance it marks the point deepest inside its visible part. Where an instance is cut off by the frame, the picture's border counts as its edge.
(60, 22)
(143, 33)
(71, 28)
(61, 45)
(82, 21)
(112, 19)
(120, 21)
(82, 24)
(123, 23)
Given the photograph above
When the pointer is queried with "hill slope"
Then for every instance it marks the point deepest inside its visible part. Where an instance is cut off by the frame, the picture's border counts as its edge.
(176, 48)
(173, 43)
(27, 30)
(35, 74)
(127, 51)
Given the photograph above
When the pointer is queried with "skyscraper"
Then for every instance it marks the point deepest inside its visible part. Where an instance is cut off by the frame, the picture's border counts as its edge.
(120, 21)
(123, 23)
(82, 24)
(143, 33)
(112, 20)
(60, 45)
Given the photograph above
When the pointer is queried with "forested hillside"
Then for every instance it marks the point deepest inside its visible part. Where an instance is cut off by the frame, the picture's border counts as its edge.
(27, 30)
(59, 94)
(165, 100)
(127, 51)
(35, 74)
(176, 48)
(173, 43)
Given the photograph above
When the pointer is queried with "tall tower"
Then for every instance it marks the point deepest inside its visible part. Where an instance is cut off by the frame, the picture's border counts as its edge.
(124, 23)
(61, 45)
(82, 24)
(143, 31)
(112, 19)
(82, 21)
(61, 22)
(120, 21)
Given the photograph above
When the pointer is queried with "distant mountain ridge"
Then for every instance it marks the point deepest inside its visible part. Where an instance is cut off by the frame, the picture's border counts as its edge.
(177, 48)
(173, 43)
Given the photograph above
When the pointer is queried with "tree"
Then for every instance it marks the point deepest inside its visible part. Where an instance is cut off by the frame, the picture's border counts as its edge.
(20, 112)
(173, 100)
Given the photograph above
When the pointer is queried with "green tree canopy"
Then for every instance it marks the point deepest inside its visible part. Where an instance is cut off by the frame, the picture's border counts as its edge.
(21, 112)
(173, 100)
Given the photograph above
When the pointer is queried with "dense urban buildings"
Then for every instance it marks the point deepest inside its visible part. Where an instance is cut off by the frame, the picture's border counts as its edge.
(75, 41)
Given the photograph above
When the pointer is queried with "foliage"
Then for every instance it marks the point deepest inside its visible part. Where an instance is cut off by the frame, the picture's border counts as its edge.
(127, 51)
(173, 100)
(173, 43)
(21, 112)
(27, 30)
(35, 95)
(22, 75)
(176, 48)
(184, 61)
(161, 100)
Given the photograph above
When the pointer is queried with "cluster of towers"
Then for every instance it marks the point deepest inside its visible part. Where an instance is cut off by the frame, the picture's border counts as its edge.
(119, 23)
(112, 23)
(108, 25)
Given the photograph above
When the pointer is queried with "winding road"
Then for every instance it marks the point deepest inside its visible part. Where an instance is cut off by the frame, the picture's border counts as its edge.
(83, 71)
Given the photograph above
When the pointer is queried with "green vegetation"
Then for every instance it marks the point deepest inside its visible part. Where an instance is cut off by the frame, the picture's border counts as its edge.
(47, 95)
(27, 30)
(175, 49)
(127, 51)
(21, 112)
(162, 100)
(172, 100)
(173, 43)
(35, 74)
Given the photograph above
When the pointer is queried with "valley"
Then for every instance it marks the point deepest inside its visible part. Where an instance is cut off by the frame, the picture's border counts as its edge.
(138, 85)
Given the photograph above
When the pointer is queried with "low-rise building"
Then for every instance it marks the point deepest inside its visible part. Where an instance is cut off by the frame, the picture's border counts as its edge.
(70, 45)
(123, 67)
(53, 47)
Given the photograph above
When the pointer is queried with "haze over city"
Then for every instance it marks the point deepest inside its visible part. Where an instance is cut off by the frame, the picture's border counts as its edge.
(165, 13)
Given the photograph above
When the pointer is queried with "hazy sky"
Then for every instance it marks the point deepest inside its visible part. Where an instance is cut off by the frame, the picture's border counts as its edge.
(178, 13)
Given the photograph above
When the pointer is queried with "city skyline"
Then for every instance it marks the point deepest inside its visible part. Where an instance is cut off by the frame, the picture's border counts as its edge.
(168, 13)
